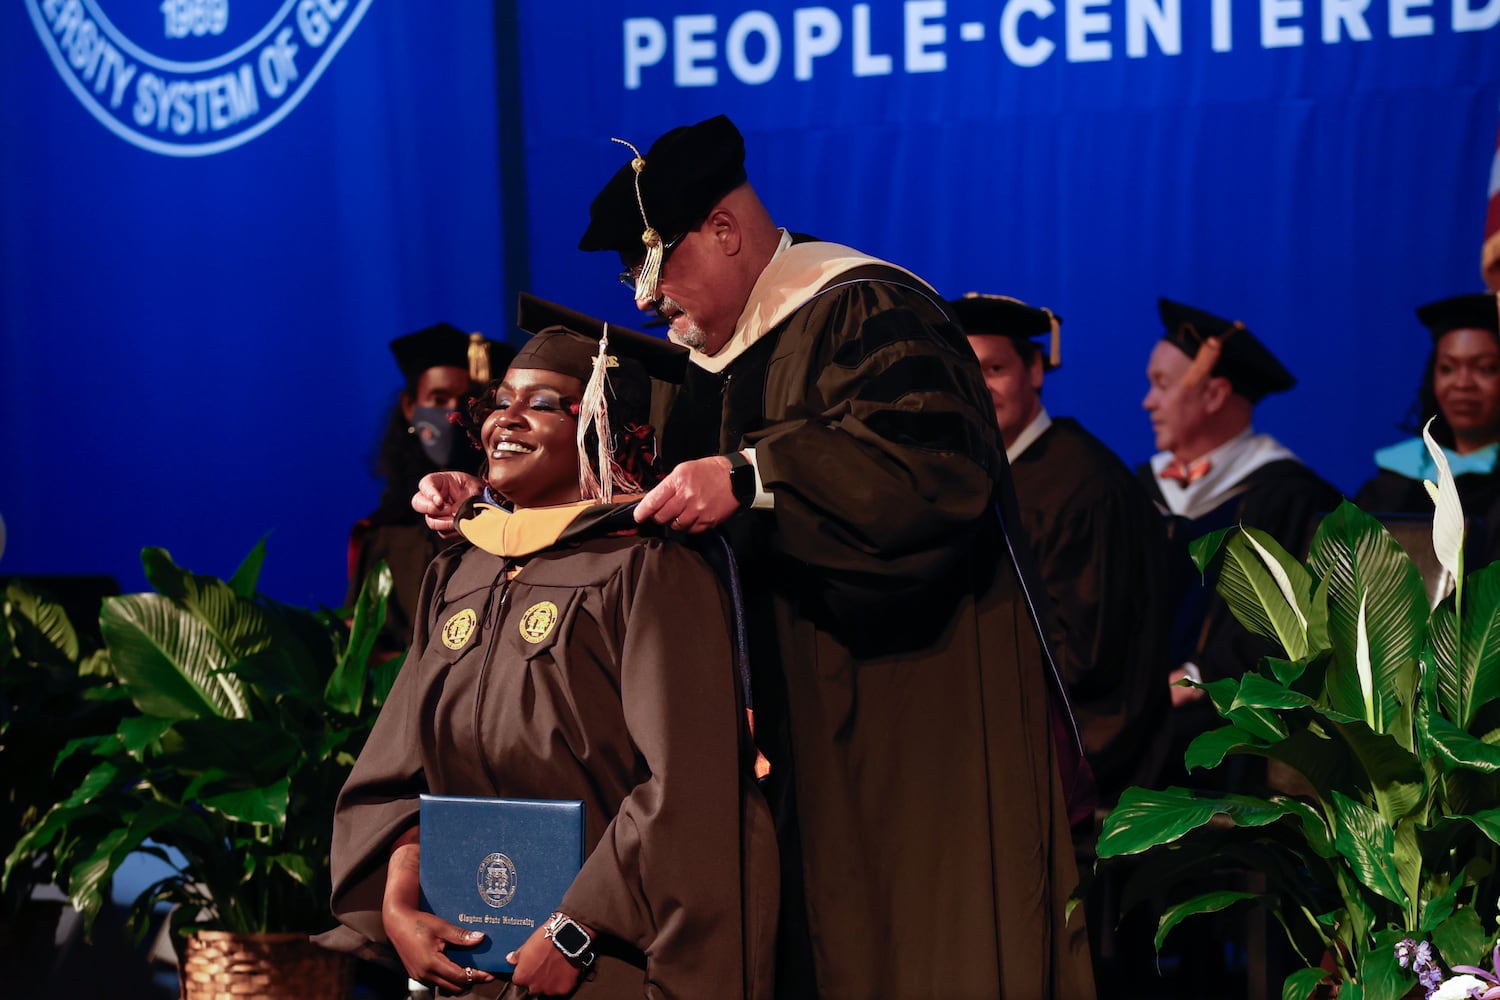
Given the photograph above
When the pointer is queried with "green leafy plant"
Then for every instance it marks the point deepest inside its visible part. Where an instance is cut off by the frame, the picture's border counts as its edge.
(1390, 712)
(55, 685)
(246, 717)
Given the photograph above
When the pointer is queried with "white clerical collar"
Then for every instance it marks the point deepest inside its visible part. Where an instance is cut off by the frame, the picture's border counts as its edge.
(1029, 433)
(1228, 466)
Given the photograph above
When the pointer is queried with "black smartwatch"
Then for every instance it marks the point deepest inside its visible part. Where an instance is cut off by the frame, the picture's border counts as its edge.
(572, 940)
(741, 478)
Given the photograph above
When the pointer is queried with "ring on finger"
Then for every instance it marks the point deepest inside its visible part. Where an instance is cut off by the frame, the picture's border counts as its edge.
(468, 975)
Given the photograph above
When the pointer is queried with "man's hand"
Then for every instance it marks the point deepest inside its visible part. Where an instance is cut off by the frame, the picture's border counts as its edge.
(695, 496)
(541, 968)
(1183, 694)
(420, 937)
(440, 494)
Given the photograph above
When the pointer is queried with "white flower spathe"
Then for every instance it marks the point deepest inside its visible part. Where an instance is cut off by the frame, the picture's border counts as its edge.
(1458, 988)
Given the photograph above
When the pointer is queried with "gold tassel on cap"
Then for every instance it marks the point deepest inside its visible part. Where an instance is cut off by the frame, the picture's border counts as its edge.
(650, 274)
(593, 411)
(1055, 356)
(479, 359)
(1208, 353)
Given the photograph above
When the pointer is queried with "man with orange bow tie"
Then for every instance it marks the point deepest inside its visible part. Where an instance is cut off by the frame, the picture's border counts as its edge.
(1213, 470)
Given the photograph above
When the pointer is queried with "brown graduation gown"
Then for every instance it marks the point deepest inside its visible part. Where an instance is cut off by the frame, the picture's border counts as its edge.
(627, 703)
(899, 684)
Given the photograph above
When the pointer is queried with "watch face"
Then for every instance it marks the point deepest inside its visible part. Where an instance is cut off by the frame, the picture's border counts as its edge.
(571, 939)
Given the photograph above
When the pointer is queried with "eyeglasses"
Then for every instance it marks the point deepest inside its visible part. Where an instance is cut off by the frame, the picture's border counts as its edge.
(630, 275)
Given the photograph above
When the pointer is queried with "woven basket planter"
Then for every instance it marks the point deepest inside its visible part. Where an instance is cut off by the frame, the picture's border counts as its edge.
(218, 965)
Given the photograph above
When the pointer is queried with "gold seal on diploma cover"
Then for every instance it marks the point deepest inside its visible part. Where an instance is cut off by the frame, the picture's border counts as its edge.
(458, 630)
(537, 622)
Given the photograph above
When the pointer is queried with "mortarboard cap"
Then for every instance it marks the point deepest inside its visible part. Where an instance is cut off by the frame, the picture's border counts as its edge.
(638, 377)
(1003, 316)
(659, 196)
(1479, 311)
(1224, 348)
(444, 345)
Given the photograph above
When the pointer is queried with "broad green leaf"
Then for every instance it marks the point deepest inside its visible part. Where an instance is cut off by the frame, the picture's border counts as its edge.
(1488, 823)
(1369, 845)
(1257, 691)
(346, 688)
(1461, 938)
(51, 638)
(1444, 679)
(1480, 677)
(1145, 818)
(247, 576)
(1301, 985)
(1441, 906)
(1367, 569)
(1460, 749)
(237, 623)
(1208, 749)
(1314, 827)
(1392, 774)
(1408, 859)
(171, 661)
(254, 805)
(1267, 590)
(1209, 902)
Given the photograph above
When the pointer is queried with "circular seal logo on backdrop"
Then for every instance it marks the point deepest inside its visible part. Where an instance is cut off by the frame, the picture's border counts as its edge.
(497, 880)
(192, 77)
(537, 622)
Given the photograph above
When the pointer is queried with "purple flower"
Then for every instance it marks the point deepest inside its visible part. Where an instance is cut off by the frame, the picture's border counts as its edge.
(1404, 949)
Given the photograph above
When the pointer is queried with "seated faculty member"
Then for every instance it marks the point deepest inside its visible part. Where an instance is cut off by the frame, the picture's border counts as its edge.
(1096, 537)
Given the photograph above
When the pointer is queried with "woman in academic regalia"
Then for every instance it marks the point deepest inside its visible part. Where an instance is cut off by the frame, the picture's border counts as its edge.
(1461, 391)
(597, 665)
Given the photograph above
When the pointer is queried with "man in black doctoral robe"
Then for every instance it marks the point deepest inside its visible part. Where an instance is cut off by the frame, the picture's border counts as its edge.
(1096, 537)
(835, 422)
(1207, 374)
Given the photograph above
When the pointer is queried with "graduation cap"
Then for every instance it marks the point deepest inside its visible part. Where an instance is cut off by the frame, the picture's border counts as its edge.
(444, 345)
(1480, 311)
(664, 194)
(1223, 347)
(1003, 316)
(619, 367)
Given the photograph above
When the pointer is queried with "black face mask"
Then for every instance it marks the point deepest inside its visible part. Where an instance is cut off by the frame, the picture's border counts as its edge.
(432, 427)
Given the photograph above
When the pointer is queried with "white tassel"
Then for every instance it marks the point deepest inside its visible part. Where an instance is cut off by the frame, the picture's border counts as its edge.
(593, 411)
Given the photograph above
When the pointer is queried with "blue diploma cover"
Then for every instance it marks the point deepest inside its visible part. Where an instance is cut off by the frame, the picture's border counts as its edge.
(499, 866)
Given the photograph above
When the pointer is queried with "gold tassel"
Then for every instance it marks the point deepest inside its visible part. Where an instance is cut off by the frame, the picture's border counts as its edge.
(650, 274)
(479, 359)
(1208, 354)
(593, 411)
(1055, 358)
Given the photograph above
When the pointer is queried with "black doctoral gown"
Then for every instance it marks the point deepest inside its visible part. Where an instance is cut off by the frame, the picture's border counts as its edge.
(900, 687)
(1098, 541)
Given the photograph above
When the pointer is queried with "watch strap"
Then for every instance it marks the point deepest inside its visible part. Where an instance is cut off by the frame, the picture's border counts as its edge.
(741, 478)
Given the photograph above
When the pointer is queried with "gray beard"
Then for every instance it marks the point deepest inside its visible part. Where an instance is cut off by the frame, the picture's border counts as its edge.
(693, 338)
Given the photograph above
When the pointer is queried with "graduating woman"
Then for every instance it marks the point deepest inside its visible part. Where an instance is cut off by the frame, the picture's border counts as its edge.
(1461, 389)
(596, 664)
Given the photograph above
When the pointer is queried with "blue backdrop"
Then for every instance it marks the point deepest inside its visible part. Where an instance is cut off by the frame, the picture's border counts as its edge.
(215, 213)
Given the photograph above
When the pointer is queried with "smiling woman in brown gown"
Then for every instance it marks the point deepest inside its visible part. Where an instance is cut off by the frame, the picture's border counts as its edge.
(628, 702)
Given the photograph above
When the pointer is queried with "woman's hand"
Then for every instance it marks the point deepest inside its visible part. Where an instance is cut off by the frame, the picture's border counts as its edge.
(420, 938)
(542, 969)
(440, 494)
